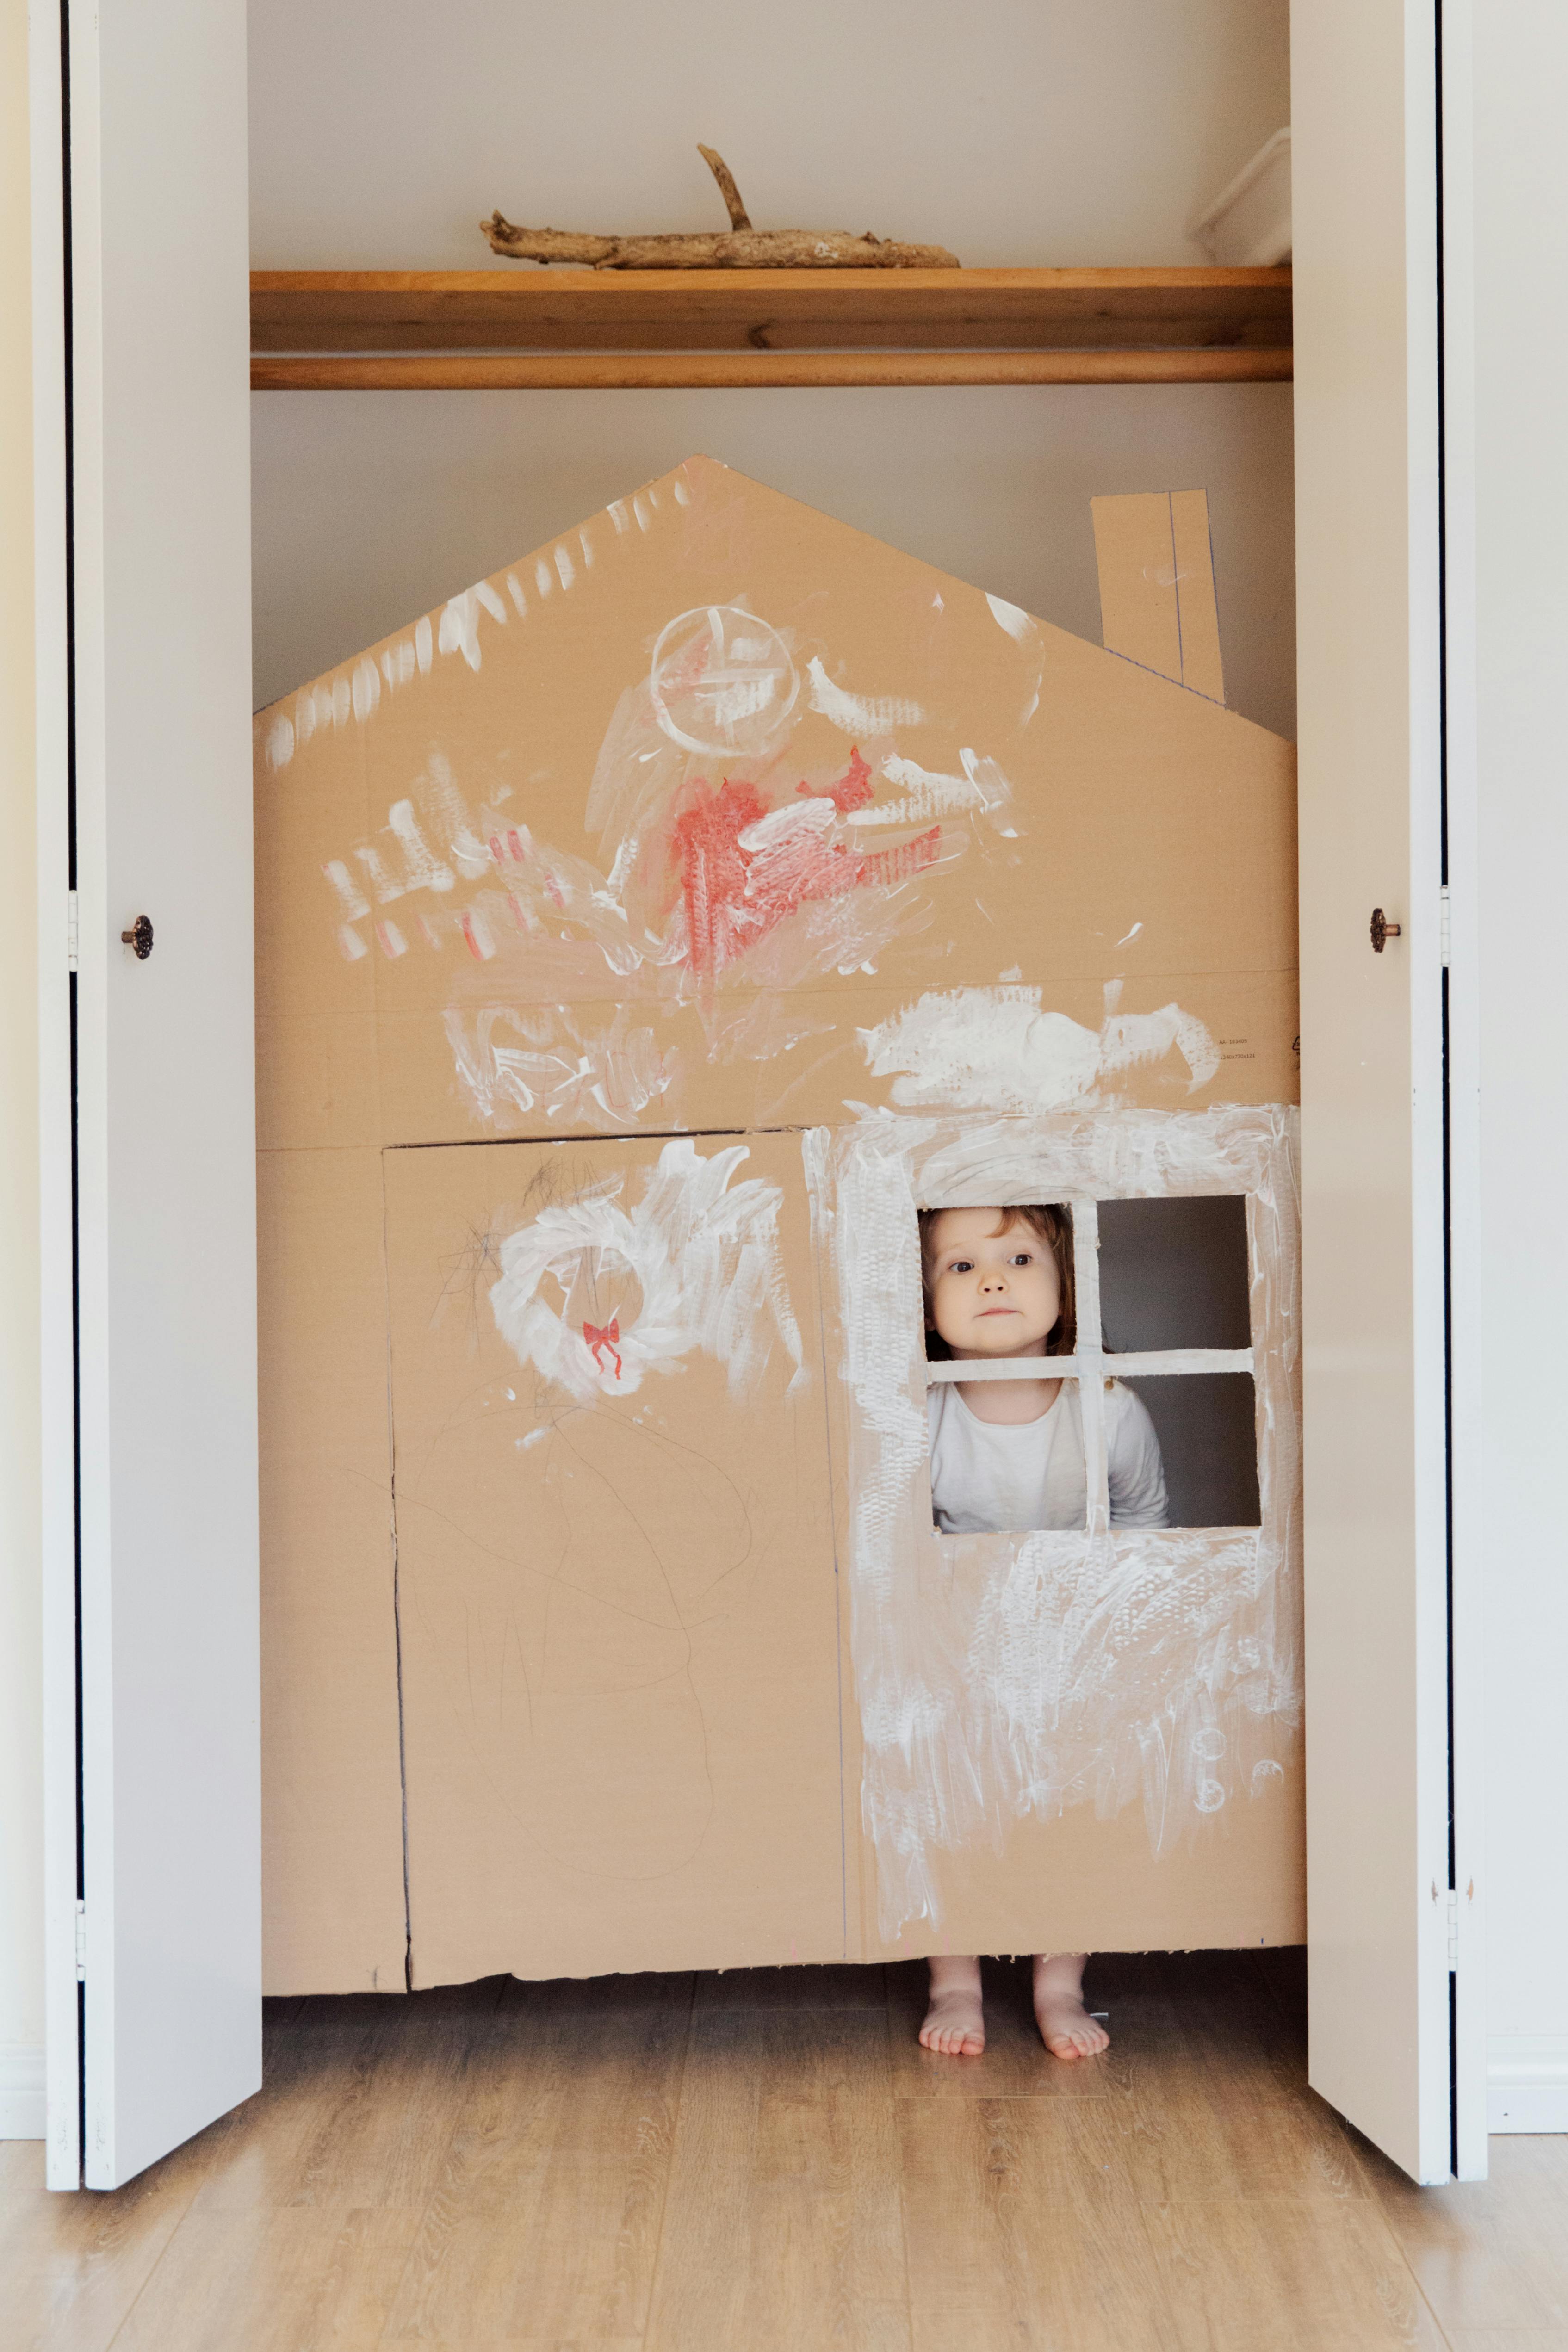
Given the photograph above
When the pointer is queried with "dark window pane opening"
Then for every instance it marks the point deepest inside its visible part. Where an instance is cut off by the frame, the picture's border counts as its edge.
(1175, 1273)
(1206, 1425)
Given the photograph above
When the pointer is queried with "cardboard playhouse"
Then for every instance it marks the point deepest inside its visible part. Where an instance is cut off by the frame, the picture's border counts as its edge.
(642, 939)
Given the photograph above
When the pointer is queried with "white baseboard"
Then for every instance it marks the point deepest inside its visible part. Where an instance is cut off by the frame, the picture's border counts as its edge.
(1527, 2082)
(21, 2090)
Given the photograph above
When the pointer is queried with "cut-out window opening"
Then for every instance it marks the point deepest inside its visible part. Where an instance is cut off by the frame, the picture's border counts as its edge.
(1161, 1289)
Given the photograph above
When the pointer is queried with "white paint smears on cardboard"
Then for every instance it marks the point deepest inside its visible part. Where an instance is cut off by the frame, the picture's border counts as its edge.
(696, 1258)
(773, 887)
(1000, 1049)
(569, 923)
(1005, 1675)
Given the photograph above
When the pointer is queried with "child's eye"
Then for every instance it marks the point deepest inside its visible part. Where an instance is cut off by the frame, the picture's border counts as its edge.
(962, 1265)
(1023, 1257)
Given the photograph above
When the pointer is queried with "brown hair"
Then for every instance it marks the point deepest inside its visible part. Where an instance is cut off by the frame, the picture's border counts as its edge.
(1054, 1227)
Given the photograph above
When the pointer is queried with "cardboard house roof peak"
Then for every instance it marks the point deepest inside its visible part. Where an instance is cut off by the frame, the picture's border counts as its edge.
(730, 810)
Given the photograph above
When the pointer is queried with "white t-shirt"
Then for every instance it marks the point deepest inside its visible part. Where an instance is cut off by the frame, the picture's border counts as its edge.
(995, 1477)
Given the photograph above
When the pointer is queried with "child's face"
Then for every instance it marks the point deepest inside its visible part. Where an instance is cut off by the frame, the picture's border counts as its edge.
(990, 1294)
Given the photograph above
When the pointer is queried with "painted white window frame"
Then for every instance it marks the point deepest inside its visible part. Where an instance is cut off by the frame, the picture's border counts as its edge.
(867, 1184)
(1092, 1364)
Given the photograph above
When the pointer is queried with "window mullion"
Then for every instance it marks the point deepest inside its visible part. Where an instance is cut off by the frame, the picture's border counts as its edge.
(1089, 1355)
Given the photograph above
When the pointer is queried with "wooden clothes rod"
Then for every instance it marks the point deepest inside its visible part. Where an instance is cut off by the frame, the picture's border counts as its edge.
(720, 371)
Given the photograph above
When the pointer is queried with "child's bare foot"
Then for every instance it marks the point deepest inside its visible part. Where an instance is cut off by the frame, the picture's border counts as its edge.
(1066, 2027)
(955, 2021)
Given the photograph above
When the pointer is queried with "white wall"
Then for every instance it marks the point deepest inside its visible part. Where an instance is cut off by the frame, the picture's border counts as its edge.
(1522, 512)
(1015, 130)
(21, 1847)
(1021, 130)
(371, 507)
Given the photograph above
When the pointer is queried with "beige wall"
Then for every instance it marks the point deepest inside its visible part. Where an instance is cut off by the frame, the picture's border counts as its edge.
(371, 507)
(21, 1842)
(1022, 130)
(1015, 131)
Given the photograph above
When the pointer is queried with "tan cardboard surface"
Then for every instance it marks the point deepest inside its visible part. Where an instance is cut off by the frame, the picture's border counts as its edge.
(1202, 666)
(620, 1621)
(713, 818)
(1007, 1685)
(1080, 1883)
(1136, 561)
(1102, 839)
(332, 1815)
(1156, 585)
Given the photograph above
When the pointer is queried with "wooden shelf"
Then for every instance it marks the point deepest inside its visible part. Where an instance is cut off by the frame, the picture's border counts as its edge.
(315, 330)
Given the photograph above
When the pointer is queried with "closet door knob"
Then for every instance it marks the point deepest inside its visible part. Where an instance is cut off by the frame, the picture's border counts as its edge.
(140, 936)
(1383, 930)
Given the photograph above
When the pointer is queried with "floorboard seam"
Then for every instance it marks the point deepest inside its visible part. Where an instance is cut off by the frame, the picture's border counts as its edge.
(487, 2018)
(893, 2021)
(679, 2105)
(109, 2341)
(1383, 2223)
(1422, 2296)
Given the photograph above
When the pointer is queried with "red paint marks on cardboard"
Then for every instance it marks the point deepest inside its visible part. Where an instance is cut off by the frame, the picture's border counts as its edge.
(853, 789)
(743, 867)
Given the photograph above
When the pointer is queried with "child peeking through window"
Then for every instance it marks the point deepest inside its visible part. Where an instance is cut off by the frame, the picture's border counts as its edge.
(1007, 1456)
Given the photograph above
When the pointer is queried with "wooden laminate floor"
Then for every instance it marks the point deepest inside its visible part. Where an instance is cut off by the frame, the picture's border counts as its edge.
(768, 2159)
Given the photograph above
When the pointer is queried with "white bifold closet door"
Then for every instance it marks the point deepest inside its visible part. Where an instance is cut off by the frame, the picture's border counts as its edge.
(1395, 2045)
(143, 293)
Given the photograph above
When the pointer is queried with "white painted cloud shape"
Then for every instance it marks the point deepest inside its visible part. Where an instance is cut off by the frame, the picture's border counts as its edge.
(999, 1049)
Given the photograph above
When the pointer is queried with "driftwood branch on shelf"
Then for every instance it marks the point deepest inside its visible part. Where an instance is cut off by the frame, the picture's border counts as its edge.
(742, 247)
(740, 218)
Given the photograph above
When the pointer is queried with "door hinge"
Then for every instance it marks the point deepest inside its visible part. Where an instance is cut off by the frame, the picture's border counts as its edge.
(1453, 1929)
(1444, 928)
(80, 1942)
(73, 934)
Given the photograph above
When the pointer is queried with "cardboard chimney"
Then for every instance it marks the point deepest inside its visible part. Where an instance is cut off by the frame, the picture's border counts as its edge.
(643, 938)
